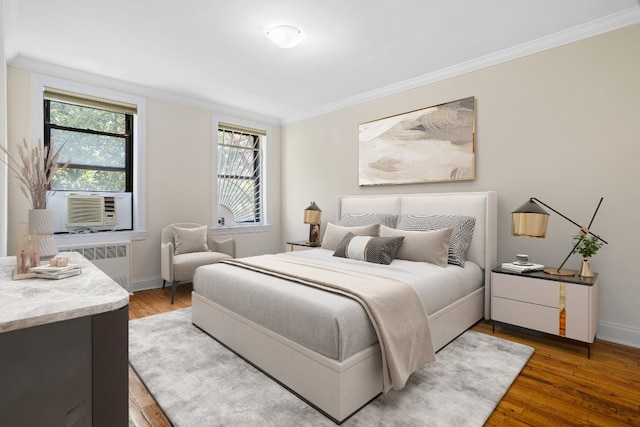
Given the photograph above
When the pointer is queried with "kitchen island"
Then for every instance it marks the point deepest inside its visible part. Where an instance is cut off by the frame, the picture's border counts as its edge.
(63, 348)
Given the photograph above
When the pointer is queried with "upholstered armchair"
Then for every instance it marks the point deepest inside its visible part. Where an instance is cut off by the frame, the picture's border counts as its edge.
(186, 246)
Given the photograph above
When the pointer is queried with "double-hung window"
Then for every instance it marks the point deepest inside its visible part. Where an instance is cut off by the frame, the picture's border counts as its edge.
(240, 175)
(96, 136)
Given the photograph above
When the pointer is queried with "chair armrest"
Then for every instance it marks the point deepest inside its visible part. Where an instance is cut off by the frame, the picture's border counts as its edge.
(227, 246)
(166, 261)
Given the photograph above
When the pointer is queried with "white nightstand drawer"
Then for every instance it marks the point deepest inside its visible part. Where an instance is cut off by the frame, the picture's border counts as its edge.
(532, 316)
(526, 289)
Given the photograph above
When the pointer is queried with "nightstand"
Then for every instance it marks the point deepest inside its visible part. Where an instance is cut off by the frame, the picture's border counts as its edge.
(300, 245)
(562, 306)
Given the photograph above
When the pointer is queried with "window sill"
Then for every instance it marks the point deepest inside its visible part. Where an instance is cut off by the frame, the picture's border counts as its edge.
(104, 237)
(241, 229)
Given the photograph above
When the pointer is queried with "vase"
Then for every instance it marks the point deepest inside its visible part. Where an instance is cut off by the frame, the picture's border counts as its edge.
(41, 223)
(585, 268)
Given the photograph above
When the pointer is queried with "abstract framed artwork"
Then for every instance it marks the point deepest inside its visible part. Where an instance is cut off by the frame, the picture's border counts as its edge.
(433, 144)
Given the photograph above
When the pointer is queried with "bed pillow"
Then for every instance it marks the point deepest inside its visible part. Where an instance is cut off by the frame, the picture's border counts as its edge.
(335, 233)
(359, 219)
(462, 226)
(190, 239)
(378, 250)
(422, 246)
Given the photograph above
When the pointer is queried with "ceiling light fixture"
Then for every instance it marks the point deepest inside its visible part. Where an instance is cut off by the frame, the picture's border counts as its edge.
(284, 36)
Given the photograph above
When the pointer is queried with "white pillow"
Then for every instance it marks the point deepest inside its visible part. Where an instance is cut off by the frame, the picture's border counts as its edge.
(422, 246)
(190, 239)
(335, 233)
(463, 227)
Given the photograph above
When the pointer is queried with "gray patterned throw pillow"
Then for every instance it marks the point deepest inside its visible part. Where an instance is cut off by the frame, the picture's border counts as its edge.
(378, 250)
(462, 226)
(359, 219)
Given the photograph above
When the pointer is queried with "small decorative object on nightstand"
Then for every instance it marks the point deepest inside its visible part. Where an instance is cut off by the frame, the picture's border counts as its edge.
(313, 217)
(587, 247)
(566, 306)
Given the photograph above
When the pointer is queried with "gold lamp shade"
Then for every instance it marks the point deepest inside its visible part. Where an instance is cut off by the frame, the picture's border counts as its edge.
(312, 214)
(529, 220)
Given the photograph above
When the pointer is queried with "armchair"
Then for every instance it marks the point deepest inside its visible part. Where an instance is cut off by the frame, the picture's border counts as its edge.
(186, 246)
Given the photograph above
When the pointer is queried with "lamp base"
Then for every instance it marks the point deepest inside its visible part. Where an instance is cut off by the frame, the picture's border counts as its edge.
(314, 235)
(556, 272)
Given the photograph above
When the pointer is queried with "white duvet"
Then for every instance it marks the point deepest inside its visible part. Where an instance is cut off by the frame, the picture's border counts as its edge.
(436, 286)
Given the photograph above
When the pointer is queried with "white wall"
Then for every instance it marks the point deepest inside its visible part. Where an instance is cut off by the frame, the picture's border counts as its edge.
(562, 125)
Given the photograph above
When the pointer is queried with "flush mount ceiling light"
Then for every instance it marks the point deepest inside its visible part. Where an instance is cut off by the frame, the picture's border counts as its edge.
(284, 36)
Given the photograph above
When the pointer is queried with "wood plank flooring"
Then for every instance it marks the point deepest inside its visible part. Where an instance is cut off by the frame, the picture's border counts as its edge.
(558, 387)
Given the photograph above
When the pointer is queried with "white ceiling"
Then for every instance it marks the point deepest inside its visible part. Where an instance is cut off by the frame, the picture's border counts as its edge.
(216, 51)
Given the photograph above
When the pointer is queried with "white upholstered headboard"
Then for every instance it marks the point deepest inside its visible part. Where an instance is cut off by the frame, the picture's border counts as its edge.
(483, 249)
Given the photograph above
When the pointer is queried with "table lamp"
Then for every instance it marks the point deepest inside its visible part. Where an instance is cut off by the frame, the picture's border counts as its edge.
(531, 220)
(312, 216)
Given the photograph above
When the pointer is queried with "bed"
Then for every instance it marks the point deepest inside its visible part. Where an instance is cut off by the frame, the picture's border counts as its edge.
(319, 344)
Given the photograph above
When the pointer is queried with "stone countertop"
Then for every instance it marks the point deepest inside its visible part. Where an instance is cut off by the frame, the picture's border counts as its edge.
(32, 302)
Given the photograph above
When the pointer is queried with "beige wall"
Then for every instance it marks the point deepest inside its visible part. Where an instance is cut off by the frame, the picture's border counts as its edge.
(179, 175)
(561, 125)
(18, 127)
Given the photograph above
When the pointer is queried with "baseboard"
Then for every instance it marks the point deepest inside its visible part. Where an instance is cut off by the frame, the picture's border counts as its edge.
(619, 334)
(146, 284)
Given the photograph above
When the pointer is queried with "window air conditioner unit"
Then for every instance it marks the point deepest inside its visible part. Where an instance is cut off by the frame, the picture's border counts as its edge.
(91, 210)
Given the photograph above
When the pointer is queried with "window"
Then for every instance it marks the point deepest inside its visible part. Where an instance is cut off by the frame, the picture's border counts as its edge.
(97, 137)
(131, 205)
(239, 175)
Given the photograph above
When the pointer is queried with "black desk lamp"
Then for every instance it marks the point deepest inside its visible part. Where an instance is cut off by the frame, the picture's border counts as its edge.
(531, 220)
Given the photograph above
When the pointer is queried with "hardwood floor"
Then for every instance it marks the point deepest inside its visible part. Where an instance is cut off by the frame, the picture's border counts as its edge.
(558, 387)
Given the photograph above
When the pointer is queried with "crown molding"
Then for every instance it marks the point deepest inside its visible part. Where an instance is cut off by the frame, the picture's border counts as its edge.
(45, 68)
(609, 23)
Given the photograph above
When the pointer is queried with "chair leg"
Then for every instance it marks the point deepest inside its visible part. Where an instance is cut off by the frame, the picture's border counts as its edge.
(174, 285)
(164, 282)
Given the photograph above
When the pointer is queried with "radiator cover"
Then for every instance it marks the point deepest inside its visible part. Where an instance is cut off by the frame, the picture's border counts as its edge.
(113, 258)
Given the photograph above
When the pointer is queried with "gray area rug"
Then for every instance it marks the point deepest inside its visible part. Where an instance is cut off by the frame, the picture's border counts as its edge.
(199, 382)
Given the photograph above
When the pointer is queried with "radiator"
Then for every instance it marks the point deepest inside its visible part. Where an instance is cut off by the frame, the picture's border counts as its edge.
(113, 258)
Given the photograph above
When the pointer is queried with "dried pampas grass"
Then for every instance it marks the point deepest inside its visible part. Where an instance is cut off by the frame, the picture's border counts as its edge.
(35, 169)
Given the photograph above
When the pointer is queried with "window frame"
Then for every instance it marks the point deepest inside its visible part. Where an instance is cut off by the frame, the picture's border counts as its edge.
(128, 138)
(139, 182)
(263, 131)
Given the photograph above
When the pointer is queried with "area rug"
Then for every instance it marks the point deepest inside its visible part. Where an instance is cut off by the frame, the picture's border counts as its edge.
(199, 382)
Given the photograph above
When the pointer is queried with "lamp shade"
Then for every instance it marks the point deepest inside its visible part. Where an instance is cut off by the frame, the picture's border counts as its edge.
(529, 220)
(312, 214)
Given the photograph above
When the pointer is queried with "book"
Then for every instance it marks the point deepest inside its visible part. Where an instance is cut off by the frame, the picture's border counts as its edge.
(51, 272)
(59, 275)
(521, 268)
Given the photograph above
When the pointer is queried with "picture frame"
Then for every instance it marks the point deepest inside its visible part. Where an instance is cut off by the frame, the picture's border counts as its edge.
(432, 144)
